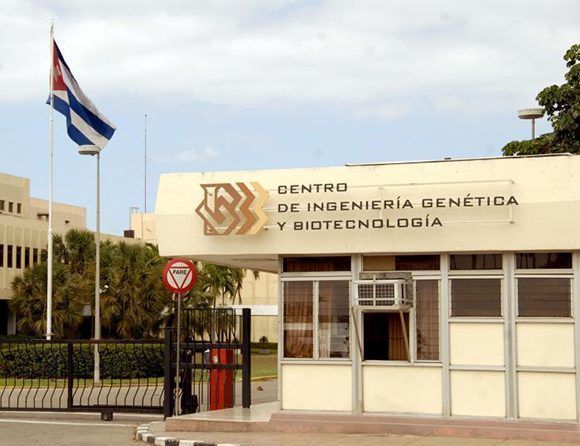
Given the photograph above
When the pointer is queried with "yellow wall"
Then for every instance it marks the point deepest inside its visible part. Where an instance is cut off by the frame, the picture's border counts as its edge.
(316, 387)
(476, 343)
(478, 393)
(545, 344)
(404, 389)
(547, 395)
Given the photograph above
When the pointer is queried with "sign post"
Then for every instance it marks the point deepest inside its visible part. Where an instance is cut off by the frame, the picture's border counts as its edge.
(179, 276)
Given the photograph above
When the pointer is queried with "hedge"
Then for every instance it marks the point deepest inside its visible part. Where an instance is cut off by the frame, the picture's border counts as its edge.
(121, 361)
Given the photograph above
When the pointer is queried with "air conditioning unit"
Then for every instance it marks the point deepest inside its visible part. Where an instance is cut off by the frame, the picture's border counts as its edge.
(387, 294)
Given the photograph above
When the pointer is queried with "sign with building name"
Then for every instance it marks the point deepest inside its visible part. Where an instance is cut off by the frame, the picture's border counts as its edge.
(233, 208)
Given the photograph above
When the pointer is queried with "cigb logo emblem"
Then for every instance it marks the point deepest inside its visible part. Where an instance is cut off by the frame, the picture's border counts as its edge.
(233, 208)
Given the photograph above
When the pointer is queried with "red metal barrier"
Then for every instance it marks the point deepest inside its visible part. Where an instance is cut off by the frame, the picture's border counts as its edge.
(221, 380)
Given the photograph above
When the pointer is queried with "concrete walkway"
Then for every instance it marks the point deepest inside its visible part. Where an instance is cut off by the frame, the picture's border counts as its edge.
(294, 439)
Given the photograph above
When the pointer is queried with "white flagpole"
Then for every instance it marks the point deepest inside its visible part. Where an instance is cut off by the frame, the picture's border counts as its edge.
(50, 144)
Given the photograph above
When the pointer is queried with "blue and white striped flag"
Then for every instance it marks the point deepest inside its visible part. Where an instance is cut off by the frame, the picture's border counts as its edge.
(86, 125)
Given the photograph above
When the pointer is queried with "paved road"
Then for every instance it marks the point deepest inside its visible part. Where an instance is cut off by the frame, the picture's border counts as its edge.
(56, 429)
(66, 429)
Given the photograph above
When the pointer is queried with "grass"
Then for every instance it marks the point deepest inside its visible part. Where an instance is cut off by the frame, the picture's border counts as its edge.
(264, 366)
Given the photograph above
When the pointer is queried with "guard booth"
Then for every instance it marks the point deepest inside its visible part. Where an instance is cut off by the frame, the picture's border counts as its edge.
(445, 288)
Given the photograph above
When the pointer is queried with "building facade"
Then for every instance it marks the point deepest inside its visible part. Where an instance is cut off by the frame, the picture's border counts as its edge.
(446, 288)
(23, 235)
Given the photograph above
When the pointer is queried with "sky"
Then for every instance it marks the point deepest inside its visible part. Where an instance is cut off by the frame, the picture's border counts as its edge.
(258, 84)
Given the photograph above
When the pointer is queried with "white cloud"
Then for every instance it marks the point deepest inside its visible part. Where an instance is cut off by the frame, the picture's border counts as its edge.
(189, 155)
(381, 58)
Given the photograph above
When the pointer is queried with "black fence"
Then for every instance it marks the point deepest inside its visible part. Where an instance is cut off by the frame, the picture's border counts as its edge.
(215, 361)
(59, 375)
(134, 376)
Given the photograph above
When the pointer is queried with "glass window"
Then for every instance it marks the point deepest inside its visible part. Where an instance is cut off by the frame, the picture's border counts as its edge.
(10, 206)
(1, 255)
(2, 202)
(314, 264)
(384, 337)
(35, 256)
(475, 261)
(298, 327)
(18, 257)
(9, 251)
(544, 297)
(19, 208)
(26, 257)
(333, 319)
(417, 263)
(544, 260)
(427, 319)
(476, 297)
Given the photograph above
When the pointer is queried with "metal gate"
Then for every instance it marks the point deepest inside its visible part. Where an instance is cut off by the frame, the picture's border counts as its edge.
(42, 375)
(215, 361)
(135, 376)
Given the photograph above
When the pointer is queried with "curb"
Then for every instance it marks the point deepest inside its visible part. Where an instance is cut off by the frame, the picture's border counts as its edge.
(144, 434)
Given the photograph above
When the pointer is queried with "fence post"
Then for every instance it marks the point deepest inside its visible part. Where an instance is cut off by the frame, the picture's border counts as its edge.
(246, 357)
(168, 375)
(70, 376)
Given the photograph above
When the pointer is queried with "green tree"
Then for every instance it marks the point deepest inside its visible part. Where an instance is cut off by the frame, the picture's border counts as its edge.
(134, 302)
(219, 282)
(29, 301)
(76, 249)
(134, 299)
(224, 281)
(562, 106)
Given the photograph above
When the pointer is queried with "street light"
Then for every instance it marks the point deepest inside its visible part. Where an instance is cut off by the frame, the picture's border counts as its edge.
(533, 114)
(95, 150)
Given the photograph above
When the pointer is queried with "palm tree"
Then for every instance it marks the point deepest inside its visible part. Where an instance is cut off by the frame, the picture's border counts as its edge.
(239, 274)
(29, 301)
(76, 249)
(225, 281)
(220, 281)
(135, 299)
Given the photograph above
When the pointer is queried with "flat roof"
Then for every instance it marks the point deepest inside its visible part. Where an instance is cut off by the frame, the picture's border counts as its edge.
(446, 160)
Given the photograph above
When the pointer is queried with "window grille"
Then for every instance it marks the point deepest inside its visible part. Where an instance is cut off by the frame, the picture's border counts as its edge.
(391, 294)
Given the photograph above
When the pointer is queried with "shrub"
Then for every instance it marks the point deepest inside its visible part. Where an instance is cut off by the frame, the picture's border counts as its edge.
(118, 361)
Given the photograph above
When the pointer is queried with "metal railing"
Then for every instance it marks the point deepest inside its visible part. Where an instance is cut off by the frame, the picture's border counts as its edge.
(135, 376)
(58, 376)
(215, 361)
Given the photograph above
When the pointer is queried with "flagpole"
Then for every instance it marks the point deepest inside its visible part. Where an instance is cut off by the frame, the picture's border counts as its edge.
(50, 152)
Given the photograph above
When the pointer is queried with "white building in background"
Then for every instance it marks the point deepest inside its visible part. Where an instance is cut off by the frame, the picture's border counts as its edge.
(447, 288)
(23, 235)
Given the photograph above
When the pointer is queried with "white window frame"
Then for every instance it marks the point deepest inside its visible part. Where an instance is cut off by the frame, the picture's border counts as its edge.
(315, 278)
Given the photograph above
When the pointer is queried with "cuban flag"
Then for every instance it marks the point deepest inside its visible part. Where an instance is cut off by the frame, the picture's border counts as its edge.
(86, 125)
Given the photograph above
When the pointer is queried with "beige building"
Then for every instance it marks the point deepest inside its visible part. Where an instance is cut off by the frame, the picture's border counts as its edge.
(446, 288)
(23, 235)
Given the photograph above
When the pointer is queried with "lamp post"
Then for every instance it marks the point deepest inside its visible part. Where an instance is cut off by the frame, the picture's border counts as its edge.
(95, 150)
(533, 114)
